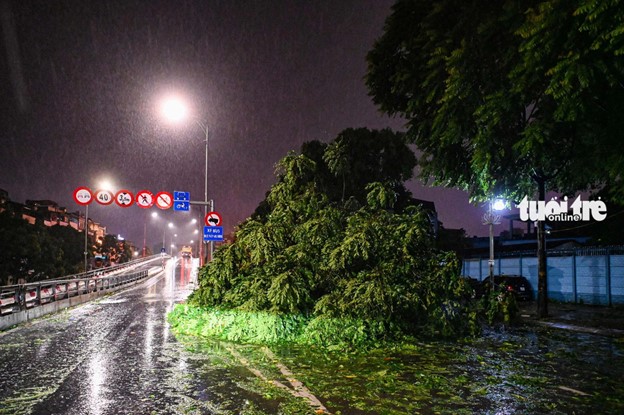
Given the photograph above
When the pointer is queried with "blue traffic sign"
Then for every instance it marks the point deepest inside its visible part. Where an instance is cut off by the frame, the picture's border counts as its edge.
(213, 233)
(181, 201)
(181, 196)
(181, 206)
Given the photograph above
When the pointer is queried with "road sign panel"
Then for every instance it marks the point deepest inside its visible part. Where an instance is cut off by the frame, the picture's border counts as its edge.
(104, 197)
(124, 198)
(181, 196)
(144, 199)
(164, 200)
(212, 219)
(213, 233)
(181, 206)
(83, 196)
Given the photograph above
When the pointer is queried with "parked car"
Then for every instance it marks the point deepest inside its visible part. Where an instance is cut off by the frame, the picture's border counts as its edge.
(516, 284)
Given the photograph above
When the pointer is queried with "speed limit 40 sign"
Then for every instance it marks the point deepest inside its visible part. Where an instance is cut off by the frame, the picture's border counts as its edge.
(104, 197)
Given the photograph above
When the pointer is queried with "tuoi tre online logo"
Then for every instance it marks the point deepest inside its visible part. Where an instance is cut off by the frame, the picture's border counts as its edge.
(559, 211)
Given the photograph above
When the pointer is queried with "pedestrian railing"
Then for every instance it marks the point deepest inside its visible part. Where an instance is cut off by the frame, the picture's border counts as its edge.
(15, 298)
(19, 297)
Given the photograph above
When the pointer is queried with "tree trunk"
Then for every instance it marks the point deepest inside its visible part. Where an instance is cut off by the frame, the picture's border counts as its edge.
(542, 276)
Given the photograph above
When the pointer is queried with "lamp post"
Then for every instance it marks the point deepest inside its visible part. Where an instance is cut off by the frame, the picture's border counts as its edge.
(156, 216)
(145, 237)
(176, 110)
(171, 226)
(490, 218)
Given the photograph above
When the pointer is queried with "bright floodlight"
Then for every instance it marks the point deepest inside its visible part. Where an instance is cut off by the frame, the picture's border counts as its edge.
(154, 214)
(174, 109)
(499, 204)
(106, 184)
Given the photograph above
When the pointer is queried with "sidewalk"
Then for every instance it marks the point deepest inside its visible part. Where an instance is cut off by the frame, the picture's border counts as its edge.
(608, 321)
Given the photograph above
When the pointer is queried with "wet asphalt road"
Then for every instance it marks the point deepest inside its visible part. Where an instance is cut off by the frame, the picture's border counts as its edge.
(112, 356)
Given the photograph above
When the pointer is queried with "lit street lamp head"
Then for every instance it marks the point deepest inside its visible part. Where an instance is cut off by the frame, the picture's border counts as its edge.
(498, 204)
(174, 109)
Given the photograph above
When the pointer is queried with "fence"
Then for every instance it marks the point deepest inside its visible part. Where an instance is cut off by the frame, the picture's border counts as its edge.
(19, 303)
(587, 275)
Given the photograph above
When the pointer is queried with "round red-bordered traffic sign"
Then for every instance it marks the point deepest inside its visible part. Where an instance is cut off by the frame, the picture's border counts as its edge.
(124, 198)
(104, 197)
(144, 199)
(212, 219)
(164, 200)
(83, 195)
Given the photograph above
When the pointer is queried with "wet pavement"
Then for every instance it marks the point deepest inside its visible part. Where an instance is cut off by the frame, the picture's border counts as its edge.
(115, 355)
(585, 318)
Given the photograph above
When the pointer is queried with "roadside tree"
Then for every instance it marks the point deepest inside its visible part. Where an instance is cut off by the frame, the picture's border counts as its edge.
(507, 98)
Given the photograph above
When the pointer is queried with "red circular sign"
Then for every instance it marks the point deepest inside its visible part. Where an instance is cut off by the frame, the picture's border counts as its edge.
(124, 198)
(104, 197)
(83, 196)
(212, 219)
(144, 199)
(164, 200)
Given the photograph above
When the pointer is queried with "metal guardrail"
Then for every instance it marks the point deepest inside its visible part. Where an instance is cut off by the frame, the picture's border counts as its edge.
(15, 298)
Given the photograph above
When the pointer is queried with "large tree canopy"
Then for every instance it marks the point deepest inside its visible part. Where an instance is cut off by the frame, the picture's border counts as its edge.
(342, 251)
(506, 97)
(502, 96)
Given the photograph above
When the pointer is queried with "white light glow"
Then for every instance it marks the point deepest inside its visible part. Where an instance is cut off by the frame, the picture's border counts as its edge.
(174, 109)
(498, 204)
(106, 184)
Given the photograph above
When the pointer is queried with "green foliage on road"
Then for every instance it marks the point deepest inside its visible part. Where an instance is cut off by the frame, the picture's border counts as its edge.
(359, 255)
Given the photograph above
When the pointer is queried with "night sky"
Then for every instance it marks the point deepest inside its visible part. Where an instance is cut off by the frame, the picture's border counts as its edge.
(82, 80)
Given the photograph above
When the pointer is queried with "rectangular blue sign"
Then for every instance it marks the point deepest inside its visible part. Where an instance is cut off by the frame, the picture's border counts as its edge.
(213, 233)
(181, 206)
(181, 196)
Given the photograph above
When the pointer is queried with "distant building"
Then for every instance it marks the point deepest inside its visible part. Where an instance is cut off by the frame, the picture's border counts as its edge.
(49, 213)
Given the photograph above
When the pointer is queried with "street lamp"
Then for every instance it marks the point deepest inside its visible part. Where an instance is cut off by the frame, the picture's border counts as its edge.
(155, 215)
(176, 110)
(490, 218)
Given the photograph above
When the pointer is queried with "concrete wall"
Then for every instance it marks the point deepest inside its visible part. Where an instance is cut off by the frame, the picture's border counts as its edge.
(591, 279)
